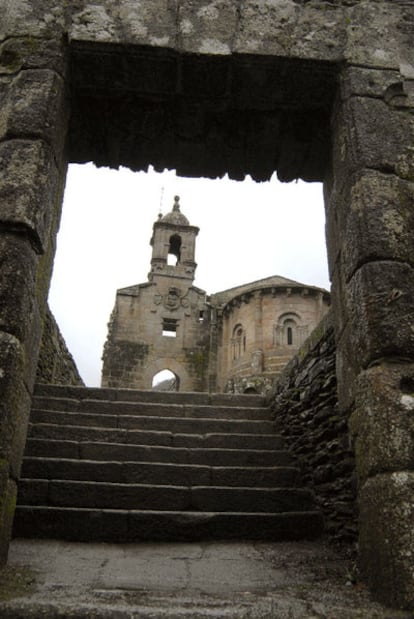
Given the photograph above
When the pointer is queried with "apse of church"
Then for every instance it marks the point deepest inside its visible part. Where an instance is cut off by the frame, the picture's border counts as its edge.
(237, 340)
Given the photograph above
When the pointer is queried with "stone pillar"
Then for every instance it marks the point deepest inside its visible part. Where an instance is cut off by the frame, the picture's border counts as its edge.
(258, 319)
(213, 349)
(33, 121)
(370, 225)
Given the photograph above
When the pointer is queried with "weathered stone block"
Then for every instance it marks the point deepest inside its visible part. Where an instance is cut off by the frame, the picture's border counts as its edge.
(33, 53)
(340, 309)
(14, 402)
(29, 182)
(370, 134)
(21, 416)
(320, 33)
(40, 18)
(31, 347)
(380, 300)
(386, 505)
(379, 222)
(142, 23)
(367, 82)
(5, 83)
(405, 165)
(283, 28)
(331, 198)
(8, 495)
(348, 365)
(265, 28)
(207, 26)
(18, 267)
(370, 217)
(383, 421)
(35, 107)
(375, 33)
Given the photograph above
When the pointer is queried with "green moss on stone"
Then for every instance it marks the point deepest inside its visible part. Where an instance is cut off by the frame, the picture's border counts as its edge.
(16, 582)
(197, 361)
(10, 61)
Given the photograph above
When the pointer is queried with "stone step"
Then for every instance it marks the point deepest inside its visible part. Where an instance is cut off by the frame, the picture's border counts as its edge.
(102, 495)
(192, 411)
(167, 439)
(130, 425)
(175, 410)
(122, 452)
(133, 395)
(103, 407)
(158, 473)
(125, 465)
(163, 438)
(91, 525)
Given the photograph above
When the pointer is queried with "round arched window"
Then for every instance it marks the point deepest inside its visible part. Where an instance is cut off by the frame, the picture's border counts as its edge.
(238, 341)
(289, 327)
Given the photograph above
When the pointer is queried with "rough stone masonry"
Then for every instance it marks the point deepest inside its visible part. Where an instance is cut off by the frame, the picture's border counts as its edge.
(313, 89)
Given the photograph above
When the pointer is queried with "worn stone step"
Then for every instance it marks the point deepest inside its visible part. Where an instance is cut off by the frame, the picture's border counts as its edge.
(153, 409)
(188, 410)
(134, 395)
(148, 437)
(230, 441)
(73, 418)
(124, 466)
(46, 448)
(148, 453)
(161, 409)
(163, 438)
(174, 425)
(158, 473)
(91, 525)
(67, 493)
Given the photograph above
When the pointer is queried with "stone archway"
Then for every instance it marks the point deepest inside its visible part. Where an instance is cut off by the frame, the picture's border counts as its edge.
(183, 380)
(165, 380)
(190, 85)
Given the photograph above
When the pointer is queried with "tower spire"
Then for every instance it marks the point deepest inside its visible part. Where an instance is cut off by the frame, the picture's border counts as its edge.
(173, 246)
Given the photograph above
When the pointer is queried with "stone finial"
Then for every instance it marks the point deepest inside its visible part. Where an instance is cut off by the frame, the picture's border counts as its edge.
(176, 207)
(175, 216)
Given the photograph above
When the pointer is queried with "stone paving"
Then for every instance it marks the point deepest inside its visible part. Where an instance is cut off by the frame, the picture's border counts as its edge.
(292, 580)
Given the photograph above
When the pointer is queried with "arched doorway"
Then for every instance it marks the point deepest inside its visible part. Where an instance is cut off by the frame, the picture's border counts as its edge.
(165, 380)
(251, 390)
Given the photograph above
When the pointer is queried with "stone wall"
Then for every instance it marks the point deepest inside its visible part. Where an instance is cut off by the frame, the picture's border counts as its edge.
(56, 365)
(137, 347)
(306, 408)
(261, 312)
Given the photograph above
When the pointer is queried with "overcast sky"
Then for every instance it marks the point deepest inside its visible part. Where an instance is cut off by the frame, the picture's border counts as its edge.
(248, 231)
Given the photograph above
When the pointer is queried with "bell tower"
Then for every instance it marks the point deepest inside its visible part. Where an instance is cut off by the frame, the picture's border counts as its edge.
(173, 246)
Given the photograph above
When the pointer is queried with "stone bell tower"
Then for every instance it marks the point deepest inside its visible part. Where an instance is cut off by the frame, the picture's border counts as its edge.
(173, 246)
(161, 324)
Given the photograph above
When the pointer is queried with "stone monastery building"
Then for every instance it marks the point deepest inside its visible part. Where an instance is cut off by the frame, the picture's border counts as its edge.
(237, 340)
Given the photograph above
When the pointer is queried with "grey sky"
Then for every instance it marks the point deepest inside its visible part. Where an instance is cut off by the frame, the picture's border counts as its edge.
(248, 231)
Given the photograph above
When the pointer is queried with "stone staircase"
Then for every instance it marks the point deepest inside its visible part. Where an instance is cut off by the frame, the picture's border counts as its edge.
(124, 466)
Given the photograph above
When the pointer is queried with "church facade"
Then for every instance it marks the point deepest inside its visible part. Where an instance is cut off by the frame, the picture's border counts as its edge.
(237, 340)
